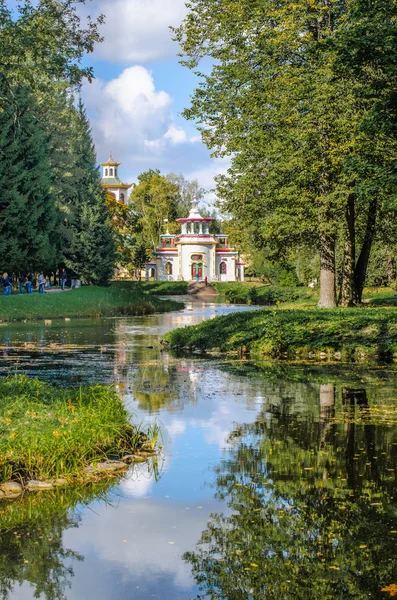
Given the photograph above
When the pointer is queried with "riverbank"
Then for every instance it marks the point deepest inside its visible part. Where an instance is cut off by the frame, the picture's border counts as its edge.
(342, 334)
(59, 436)
(118, 300)
(256, 293)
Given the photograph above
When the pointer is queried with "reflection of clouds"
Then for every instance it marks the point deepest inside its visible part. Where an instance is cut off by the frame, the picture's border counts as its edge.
(176, 428)
(147, 555)
(139, 481)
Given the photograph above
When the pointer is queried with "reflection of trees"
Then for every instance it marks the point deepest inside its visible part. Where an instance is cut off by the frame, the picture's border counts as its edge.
(158, 385)
(312, 507)
(31, 541)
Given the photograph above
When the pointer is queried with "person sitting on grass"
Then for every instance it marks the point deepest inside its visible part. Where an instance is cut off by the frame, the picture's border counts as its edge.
(42, 282)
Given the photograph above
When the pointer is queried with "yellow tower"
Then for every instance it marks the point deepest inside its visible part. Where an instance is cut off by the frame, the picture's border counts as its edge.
(111, 181)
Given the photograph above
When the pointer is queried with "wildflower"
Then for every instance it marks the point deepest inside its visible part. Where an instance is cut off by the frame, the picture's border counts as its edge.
(49, 414)
(13, 434)
(56, 433)
(8, 421)
(392, 589)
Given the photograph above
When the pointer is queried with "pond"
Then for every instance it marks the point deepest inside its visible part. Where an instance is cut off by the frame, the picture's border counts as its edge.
(276, 480)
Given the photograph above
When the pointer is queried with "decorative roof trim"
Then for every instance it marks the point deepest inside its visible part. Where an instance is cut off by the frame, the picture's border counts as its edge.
(195, 220)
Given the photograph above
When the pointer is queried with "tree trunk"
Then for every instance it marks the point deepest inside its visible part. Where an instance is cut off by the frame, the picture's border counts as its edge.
(327, 271)
(362, 263)
(348, 292)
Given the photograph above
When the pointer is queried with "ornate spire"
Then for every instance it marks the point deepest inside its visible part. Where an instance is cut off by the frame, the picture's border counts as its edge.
(194, 211)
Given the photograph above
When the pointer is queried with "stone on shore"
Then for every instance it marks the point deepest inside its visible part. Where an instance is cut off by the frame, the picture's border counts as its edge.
(11, 488)
(36, 486)
(112, 466)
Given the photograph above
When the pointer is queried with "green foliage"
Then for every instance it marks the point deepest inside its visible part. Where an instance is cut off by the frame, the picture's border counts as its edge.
(140, 257)
(118, 300)
(154, 199)
(28, 215)
(242, 293)
(158, 201)
(47, 432)
(91, 253)
(44, 41)
(295, 98)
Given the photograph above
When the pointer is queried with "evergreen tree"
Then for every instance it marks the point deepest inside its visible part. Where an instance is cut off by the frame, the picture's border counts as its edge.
(91, 253)
(140, 257)
(28, 215)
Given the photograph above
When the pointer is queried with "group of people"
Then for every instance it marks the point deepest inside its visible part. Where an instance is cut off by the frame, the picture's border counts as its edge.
(28, 282)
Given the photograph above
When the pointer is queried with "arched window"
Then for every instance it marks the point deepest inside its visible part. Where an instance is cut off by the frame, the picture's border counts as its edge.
(111, 172)
(223, 268)
(115, 172)
(197, 228)
(168, 268)
(188, 228)
(122, 197)
(106, 172)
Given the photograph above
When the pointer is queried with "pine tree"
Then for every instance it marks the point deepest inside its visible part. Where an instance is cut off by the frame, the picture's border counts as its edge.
(91, 253)
(27, 208)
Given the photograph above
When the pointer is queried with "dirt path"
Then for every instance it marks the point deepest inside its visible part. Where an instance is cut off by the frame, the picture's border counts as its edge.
(200, 290)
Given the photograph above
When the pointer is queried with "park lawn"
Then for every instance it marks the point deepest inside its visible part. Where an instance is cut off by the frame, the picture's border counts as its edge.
(117, 300)
(238, 292)
(47, 432)
(349, 333)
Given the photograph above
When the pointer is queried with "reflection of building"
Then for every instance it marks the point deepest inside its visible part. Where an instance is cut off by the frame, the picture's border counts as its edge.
(195, 253)
(111, 181)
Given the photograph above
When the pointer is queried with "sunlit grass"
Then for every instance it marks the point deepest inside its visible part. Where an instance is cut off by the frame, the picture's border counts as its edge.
(47, 432)
(119, 299)
(354, 333)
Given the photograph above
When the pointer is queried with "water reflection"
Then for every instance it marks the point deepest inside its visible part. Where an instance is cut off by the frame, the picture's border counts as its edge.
(311, 503)
(285, 472)
(32, 549)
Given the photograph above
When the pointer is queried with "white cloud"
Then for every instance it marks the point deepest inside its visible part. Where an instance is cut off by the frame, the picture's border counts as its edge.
(134, 119)
(130, 117)
(138, 30)
(176, 135)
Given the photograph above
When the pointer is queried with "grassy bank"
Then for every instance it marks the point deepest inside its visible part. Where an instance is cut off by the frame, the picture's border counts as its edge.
(348, 333)
(118, 300)
(265, 295)
(47, 432)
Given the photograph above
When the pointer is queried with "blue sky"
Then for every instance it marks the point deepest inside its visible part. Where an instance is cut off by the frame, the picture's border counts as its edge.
(140, 91)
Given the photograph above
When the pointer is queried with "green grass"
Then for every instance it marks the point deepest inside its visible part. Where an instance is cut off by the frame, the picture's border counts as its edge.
(356, 332)
(47, 432)
(165, 288)
(238, 292)
(118, 300)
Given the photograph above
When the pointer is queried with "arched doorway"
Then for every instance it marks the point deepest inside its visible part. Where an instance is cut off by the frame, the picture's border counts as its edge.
(168, 270)
(223, 271)
(197, 271)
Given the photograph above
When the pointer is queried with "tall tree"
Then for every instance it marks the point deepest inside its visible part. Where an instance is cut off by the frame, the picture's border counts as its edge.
(28, 214)
(92, 252)
(296, 110)
(154, 199)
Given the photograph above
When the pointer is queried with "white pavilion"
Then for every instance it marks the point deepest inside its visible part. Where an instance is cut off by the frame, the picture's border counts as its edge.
(195, 254)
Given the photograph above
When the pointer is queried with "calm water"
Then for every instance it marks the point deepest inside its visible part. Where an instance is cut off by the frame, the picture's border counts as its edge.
(276, 481)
